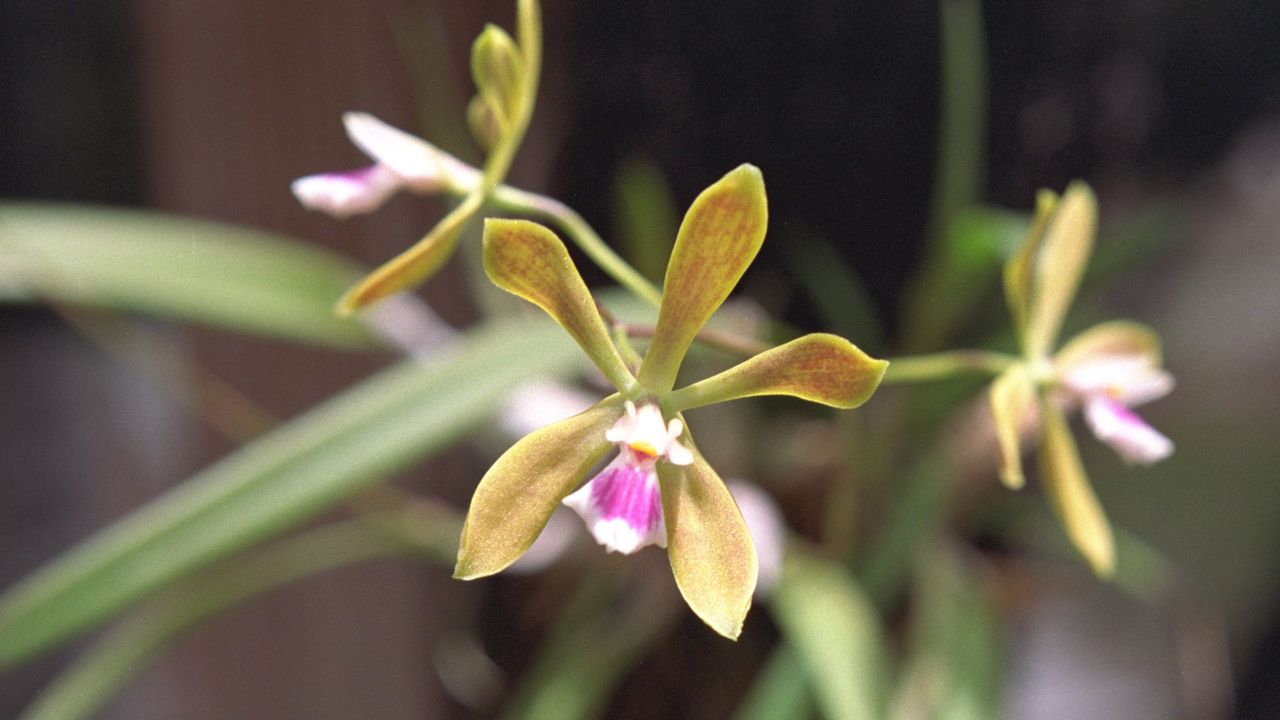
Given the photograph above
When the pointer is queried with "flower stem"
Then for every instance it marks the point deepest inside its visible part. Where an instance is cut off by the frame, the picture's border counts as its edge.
(582, 235)
(943, 365)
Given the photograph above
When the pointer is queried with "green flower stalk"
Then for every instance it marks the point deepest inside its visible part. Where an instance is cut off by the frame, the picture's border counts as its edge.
(659, 489)
(1106, 370)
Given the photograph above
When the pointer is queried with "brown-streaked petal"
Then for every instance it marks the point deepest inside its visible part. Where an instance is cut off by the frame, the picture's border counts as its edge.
(718, 239)
(712, 556)
(1059, 265)
(1071, 496)
(516, 497)
(1117, 338)
(1012, 396)
(528, 260)
(819, 367)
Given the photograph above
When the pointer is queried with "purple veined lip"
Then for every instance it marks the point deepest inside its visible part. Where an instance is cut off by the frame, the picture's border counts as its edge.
(622, 505)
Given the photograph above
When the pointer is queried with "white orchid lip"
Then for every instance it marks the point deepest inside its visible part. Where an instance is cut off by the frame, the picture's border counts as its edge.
(622, 505)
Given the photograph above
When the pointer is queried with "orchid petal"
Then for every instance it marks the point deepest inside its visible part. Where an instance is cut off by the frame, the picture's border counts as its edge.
(718, 239)
(343, 194)
(1072, 498)
(622, 506)
(1129, 379)
(418, 162)
(1019, 271)
(414, 265)
(528, 260)
(1059, 264)
(712, 556)
(819, 367)
(1012, 397)
(518, 494)
(1116, 337)
(1129, 435)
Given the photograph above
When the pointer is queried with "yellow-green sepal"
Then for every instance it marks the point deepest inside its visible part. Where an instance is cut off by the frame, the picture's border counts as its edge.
(1058, 266)
(516, 497)
(719, 237)
(821, 368)
(414, 265)
(710, 548)
(1018, 272)
(528, 260)
(1113, 338)
(1012, 396)
(1071, 496)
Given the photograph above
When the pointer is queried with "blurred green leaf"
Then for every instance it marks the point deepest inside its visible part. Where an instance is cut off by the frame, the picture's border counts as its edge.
(835, 632)
(964, 270)
(836, 290)
(780, 690)
(603, 633)
(192, 270)
(646, 216)
(953, 670)
(346, 444)
(121, 655)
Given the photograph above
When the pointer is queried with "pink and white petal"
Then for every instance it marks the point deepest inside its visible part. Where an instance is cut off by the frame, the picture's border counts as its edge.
(1151, 384)
(415, 160)
(343, 194)
(1129, 435)
(622, 506)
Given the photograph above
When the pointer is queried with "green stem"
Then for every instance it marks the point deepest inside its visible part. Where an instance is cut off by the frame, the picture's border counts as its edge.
(581, 233)
(943, 365)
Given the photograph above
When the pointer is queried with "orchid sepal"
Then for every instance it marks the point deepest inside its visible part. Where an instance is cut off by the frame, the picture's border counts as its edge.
(818, 367)
(718, 238)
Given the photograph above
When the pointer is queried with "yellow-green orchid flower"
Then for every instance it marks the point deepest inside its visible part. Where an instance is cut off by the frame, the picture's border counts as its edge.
(1106, 369)
(659, 490)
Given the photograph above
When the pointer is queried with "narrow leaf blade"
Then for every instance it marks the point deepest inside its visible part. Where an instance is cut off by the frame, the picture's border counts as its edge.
(180, 268)
(303, 468)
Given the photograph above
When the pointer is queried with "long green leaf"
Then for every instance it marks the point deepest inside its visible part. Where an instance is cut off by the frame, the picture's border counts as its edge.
(835, 632)
(344, 445)
(112, 663)
(192, 270)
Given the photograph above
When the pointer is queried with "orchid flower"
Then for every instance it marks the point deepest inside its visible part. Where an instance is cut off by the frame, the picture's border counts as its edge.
(658, 490)
(1106, 370)
(506, 75)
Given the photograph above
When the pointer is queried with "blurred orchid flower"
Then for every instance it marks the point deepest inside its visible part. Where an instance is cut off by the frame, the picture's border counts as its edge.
(401, 162)
(1106, 369)
(506, 74)
(658, 490)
